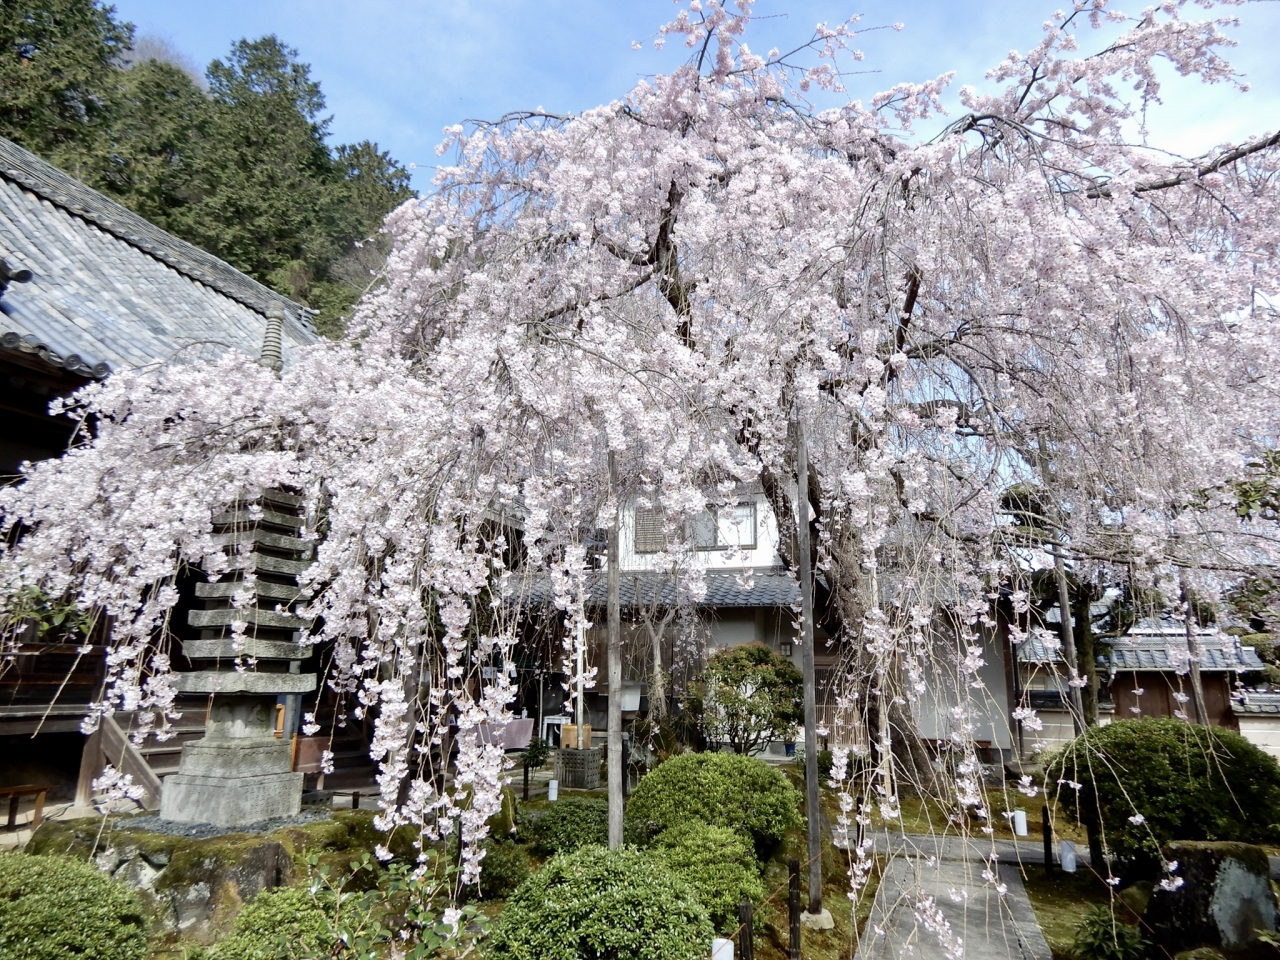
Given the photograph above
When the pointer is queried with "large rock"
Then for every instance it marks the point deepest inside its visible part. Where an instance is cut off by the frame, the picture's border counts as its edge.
(1224, 900)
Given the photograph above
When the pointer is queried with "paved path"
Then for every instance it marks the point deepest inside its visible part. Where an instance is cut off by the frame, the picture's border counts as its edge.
(940, 909)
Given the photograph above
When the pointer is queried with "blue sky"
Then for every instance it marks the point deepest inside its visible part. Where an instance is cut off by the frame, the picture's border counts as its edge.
(399, 71)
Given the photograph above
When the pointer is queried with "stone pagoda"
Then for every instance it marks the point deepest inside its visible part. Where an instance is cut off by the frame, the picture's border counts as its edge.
(242, 770)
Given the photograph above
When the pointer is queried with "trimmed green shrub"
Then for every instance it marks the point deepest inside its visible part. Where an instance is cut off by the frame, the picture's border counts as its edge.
(505, 866)
(747, 696)
(1100, 936)
(718, 863)
(281, 924)
(52, 908)
(570, 823)
(719, 789)
(1158, 779)
(826, 760)
(601, 903)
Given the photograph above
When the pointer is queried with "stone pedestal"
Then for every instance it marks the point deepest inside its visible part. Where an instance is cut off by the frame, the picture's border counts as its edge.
(579, 769)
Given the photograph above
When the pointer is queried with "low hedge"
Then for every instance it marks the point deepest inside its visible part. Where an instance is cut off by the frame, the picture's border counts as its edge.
(569, 824)
(54, 907)
(280, 924)
(718, 864)
(601, 903)
(718, 789)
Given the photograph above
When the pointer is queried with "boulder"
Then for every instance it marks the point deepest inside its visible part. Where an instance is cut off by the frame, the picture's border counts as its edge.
(1224, 900)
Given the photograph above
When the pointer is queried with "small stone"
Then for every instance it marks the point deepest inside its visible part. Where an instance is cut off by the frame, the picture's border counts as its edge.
(817, 921)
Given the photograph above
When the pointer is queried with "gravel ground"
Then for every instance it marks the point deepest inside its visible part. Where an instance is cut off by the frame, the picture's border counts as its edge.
(151, 823)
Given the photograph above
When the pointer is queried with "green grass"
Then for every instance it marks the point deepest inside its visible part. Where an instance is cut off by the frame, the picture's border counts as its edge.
(1061, 901)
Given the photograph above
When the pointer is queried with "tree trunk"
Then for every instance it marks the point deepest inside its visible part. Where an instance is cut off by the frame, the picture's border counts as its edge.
(1086, 654)
(1193, 650)
(615, 771)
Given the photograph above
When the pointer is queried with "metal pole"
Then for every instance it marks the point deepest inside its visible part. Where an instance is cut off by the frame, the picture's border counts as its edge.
(812, 805)
(793, 907)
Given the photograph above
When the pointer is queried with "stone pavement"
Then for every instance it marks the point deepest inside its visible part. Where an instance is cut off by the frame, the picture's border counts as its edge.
(942, 909)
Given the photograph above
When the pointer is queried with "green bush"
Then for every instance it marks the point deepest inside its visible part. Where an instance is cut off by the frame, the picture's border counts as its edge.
(570, 823)
(1100, 936)
(718, 864)
(57, 907)
(601, 903)
(504, 868)
(719, 789)
(1178, 780)
(281, 924)
(825, 762)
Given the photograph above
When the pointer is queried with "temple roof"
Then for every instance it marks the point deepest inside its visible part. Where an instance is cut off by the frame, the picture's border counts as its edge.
(109, 289)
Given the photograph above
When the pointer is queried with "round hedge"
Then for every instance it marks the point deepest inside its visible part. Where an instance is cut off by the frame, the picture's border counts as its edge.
(718, 864)
(570, 823)
(719, 789)
(278, 924)
(505, 866)
(597, 903)
(1181, 780)
(52, 908)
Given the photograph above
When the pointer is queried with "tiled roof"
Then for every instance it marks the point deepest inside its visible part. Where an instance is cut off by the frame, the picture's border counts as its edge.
(771, 588)
(109, 289)
(1253, 701)
(1159, 648)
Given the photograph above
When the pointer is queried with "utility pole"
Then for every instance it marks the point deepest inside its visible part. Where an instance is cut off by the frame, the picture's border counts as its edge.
(810, 681)
(615, 771)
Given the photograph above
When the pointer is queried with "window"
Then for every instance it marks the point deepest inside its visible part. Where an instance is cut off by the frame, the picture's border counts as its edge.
(726, 528)
(650, 535)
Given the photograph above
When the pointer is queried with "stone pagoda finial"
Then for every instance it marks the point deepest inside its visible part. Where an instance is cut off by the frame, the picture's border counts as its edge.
(271, 357)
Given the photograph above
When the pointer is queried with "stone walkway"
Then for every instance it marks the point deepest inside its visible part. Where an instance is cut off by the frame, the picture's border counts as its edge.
(941, 909)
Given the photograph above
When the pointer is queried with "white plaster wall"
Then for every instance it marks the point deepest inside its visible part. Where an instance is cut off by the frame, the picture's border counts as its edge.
(764, 555)
(988, 705)
(1262, 730)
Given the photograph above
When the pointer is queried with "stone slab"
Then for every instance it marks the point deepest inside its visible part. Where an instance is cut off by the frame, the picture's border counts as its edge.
(230, 801)
(261, 588)
(235, 758)
(252, 647)
(252, 615)
(214, 681)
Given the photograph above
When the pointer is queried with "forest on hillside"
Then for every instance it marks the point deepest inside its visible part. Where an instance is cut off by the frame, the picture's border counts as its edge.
(234, 159)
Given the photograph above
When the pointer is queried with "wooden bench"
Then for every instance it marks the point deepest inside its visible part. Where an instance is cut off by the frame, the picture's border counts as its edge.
(15, 794)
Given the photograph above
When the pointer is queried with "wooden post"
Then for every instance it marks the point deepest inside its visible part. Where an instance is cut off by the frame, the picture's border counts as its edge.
(793, 907)
(1047, 829)
(355, 800)
(812, 804)
(614, 616)
(746, 938)
(1068, 641)
(526, 781)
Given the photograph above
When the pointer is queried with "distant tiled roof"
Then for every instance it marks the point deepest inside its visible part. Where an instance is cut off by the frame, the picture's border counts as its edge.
(1153, 647)
(109, 289)
(1253, 701)
(772, 588)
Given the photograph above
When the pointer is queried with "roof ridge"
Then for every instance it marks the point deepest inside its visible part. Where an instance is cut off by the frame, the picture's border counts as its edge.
(44, 179)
